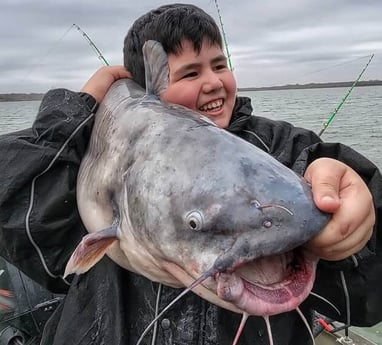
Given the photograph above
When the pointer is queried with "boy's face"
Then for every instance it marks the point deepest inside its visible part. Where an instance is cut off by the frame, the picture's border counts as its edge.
(202, 82)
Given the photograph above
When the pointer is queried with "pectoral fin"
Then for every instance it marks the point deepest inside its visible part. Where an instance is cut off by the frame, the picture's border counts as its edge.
(90, 250)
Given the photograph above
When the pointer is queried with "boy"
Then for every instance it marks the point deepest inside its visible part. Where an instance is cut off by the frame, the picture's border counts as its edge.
(111, 306)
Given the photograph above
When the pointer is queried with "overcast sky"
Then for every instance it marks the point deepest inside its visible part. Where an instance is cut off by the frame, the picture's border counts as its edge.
(271, 42)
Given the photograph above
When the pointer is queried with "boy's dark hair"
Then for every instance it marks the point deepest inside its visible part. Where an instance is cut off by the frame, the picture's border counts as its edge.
(169, 25)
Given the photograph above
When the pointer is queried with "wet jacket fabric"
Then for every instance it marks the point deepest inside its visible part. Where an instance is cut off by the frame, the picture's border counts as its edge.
(40, 227)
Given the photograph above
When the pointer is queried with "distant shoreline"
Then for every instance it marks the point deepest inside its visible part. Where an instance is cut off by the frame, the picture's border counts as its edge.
(17, 97)
(313, 85)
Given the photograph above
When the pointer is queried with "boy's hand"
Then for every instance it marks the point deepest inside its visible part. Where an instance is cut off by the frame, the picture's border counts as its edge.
(339, 190)
(101, 80)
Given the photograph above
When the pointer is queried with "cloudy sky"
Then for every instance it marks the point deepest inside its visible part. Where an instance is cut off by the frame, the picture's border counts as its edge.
(271, 42)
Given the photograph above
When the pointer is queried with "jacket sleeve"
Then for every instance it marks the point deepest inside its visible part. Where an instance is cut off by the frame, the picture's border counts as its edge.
(39, 220)
(351, 282)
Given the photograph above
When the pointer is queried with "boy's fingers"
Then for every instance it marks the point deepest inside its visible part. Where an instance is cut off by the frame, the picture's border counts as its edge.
(326, 184)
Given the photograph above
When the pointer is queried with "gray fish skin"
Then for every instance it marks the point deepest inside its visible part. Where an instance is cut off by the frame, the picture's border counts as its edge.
(187, 197)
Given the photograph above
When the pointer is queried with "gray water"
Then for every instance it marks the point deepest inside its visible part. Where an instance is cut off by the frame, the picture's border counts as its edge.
(17, 115)
(358, 123)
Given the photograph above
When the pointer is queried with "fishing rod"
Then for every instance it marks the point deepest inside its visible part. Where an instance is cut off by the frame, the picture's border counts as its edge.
(45, 306)
(94, 47)
(224, 37)
(333, 114)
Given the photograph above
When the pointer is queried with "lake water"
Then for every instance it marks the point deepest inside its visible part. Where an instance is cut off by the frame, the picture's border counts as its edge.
(358, 123)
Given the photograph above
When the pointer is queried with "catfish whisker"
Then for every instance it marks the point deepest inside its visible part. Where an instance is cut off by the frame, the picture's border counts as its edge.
(241, 327)
(303, 318)
(198, 281)
(269, 329)
(326, 301)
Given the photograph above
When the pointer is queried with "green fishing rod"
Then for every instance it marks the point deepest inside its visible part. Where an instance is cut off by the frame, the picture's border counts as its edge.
(224, 37)
(94, 47)
(333, 114)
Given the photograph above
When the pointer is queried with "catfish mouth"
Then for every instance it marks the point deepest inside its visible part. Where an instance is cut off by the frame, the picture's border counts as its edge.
(268, 285)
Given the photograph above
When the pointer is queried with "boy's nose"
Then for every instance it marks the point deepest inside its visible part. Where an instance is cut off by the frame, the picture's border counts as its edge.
(212, 83)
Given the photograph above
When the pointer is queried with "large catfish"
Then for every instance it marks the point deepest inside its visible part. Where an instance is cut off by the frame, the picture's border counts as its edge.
(169, 195)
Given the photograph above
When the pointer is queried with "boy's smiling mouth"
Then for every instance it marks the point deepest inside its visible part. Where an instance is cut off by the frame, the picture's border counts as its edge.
(214, 106)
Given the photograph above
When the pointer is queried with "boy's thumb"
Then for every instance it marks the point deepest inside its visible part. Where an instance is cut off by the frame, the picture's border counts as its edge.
(326, 196)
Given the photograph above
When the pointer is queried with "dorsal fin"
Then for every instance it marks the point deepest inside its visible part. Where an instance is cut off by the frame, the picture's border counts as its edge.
(156, 67)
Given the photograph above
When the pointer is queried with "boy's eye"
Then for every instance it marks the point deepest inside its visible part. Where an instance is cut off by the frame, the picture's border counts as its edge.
(190, 75)
(220, 66)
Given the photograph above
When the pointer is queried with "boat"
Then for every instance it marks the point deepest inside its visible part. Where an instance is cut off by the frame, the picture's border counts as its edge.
(328, 332)
(351, 338)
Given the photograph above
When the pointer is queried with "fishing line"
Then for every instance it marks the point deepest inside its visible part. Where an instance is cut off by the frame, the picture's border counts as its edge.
(32, 201)
(50, 50)
(334, 66)
(54, 46)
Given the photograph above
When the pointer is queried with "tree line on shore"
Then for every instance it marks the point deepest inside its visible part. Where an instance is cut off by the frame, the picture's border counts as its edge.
(16, 97)
(313, 85)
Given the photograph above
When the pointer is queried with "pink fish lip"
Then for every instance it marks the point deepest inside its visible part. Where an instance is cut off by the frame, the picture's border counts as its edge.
(276, 289)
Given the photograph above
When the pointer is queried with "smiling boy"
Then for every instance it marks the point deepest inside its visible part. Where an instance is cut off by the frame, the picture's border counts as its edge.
(202, 82)
(113, 306)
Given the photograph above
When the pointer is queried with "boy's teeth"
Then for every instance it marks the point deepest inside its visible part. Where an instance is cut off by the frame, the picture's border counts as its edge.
(213, 105)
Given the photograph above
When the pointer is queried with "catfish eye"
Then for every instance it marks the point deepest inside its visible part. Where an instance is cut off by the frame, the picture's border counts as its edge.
(194, 220)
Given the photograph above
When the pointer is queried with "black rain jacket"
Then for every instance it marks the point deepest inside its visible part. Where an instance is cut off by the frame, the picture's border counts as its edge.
(40, 227)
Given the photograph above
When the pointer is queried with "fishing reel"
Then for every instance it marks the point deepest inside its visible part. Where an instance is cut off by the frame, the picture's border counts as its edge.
(30, 306)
